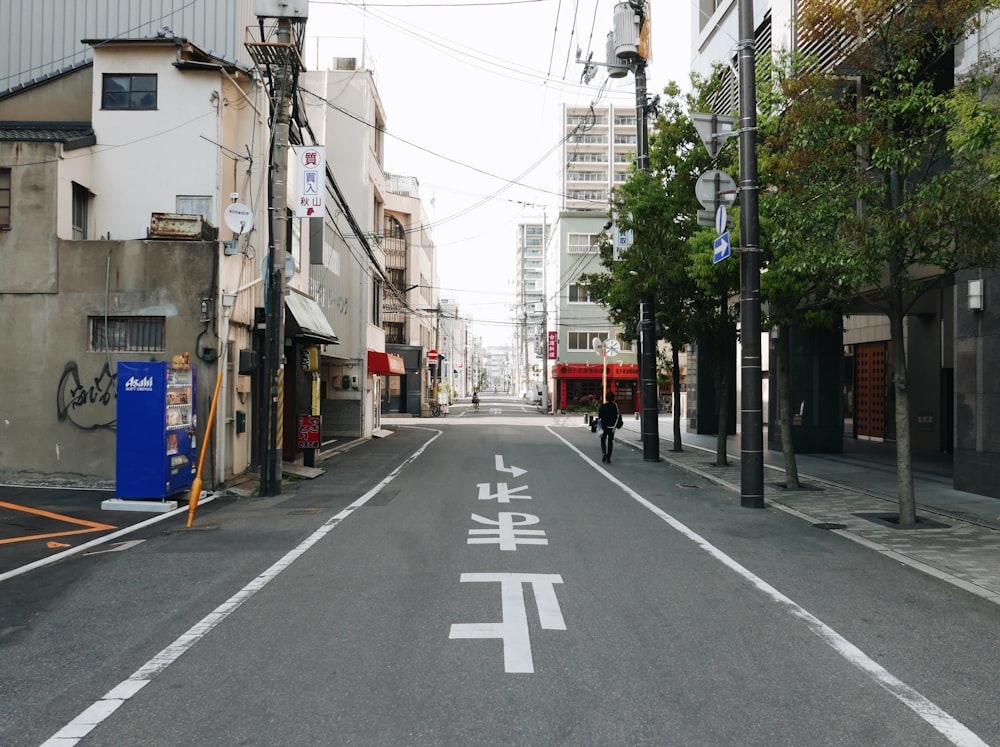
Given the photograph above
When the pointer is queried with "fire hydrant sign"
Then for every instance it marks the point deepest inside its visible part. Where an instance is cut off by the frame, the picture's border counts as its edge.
(310, 180)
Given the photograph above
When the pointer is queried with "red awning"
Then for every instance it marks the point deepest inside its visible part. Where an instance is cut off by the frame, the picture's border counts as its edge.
(385, 363)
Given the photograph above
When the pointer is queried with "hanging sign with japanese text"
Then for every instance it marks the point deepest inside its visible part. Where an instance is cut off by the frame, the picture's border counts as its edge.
(310, 180)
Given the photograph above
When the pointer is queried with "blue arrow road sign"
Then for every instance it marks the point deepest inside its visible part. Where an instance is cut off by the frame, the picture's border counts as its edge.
(722, 249)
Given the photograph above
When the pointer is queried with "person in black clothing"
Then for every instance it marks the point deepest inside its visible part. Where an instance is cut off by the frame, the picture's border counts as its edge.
(610, 419)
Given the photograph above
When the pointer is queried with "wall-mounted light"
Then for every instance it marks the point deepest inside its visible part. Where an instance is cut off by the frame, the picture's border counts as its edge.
(975, 295)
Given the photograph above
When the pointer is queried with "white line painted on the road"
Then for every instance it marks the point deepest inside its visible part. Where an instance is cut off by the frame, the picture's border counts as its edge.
(117, 696)
(513, 628)
(507, 535)
(953, 729)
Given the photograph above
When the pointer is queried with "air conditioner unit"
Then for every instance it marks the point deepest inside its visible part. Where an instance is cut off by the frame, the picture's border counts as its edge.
(345, 63)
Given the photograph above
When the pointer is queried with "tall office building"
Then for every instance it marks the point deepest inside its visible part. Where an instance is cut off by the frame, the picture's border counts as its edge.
(530, 294)
(600, 143)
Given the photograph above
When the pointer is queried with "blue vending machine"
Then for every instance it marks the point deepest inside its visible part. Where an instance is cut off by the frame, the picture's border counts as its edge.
(157, 422)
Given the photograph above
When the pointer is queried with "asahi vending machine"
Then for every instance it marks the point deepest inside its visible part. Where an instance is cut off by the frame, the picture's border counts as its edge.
(157, 423)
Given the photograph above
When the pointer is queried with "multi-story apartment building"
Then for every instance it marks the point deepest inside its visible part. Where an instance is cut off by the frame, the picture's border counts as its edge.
(530, 305)
(407, 321)
(599, 145)
(137, 125)
(598, 150)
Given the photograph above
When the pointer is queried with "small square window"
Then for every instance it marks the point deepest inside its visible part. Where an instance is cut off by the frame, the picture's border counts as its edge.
(5, 198)
(134, 92)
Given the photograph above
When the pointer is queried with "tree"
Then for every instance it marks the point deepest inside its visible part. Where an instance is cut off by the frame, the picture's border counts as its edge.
(659, 206)
(920, 145)
(796, 221)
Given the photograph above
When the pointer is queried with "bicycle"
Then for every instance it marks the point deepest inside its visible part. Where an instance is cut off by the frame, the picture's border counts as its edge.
(475, 405)
(435, 409)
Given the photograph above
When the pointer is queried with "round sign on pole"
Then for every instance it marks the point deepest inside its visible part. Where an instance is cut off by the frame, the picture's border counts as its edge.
(432, 356)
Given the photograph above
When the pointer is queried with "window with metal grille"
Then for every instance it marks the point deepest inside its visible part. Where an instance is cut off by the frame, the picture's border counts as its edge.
(123, 91)
(4, 198)
(137, 334)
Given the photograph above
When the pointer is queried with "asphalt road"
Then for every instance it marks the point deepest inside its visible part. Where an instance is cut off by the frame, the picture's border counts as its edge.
(483, 579)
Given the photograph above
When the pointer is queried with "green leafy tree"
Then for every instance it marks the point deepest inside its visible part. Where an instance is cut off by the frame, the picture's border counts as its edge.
(796, 221)
(659, 207)
(922, 149)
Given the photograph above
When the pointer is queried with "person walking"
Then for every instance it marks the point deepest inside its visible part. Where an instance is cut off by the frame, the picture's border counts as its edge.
(611, 419)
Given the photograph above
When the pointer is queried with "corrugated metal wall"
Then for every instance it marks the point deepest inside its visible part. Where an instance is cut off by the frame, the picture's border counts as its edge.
(38, 37)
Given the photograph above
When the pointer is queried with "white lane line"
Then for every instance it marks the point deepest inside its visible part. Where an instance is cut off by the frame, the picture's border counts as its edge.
(954, 730)
(117, 696)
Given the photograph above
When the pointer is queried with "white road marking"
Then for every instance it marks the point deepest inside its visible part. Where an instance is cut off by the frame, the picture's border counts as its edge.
(117, 696)
(514, 471)
(513, 628)
(505, 534)
(118, 547)
(503, 495)
(953, 729)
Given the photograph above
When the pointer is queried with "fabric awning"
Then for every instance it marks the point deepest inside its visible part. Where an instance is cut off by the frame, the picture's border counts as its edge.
(385, 363)
(308, 322)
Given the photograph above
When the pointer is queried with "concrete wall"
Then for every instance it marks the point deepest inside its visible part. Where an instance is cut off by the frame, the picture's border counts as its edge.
(59, 407)
(977, 385)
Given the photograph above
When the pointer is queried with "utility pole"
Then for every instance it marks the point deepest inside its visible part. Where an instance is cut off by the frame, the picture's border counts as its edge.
(545, 318)
(281, 59)
(752, 433)
(647, 308)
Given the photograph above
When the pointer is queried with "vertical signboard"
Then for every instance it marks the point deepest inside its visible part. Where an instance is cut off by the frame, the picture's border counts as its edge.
(310, 181)
(553, 345)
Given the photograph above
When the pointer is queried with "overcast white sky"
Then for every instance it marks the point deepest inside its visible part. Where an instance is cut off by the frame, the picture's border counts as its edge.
(473, 92)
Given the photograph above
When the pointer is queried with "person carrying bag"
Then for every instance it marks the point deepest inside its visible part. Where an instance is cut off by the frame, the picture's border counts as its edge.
(609, 419)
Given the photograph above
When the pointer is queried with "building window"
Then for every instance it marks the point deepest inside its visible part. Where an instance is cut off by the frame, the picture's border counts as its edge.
(579, 341)
(4, 198)
(583, 243)
(377, 300)
(134, 92)
(195, 205)
(136, 334)
(81, 212)
(579, 293)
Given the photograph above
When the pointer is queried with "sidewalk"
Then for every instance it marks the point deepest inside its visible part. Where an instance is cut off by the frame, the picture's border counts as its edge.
(958, 534)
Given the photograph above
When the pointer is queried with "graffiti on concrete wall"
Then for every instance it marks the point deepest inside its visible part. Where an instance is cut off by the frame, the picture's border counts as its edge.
(88, 405)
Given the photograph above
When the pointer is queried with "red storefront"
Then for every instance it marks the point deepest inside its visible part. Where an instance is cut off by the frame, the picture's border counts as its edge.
(576, 383)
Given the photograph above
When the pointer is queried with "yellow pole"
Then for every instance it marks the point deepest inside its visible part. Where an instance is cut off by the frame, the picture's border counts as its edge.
(196, 483)
(604, 375)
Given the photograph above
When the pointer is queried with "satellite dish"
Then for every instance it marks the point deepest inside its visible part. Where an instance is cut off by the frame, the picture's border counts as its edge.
(612, 347)
(238, 218)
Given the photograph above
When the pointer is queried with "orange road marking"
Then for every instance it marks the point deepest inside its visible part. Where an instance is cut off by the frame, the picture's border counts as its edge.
(91, 526)
(54, 545)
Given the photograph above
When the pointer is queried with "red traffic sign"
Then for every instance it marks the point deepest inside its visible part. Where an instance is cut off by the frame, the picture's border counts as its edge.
(432, 356)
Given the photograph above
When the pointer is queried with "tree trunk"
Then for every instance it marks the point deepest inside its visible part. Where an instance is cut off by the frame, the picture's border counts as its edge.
(785, 408)
(901, 385)
(677, 398)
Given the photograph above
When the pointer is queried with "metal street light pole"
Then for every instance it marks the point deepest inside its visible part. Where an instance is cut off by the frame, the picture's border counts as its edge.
(752, 435)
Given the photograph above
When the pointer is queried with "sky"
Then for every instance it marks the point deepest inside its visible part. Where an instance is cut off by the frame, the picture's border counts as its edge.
(473, 93)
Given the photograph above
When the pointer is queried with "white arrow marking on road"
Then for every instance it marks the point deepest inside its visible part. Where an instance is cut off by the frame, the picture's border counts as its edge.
(117, 547)
(514, 471)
